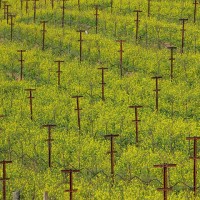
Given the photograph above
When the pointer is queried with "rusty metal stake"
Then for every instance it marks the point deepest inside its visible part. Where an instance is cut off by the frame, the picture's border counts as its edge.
(21, 61)
(11, 25)
(136, 120)
(49, 140)
(195, 10)
(63, 12)
(4, 9)
(71, 189)
(27, 5)
(149, 7)
(111, 6)
(4, 178)
(79, 5)
(165, 188)
(112, 152)
(172, 60)
(81, 40)
(97, 15)
(7, 12)
(59, 71)
(31, 103)
(183, 32)
(102, 82)
(34, 8)
(195, 158)
(78, 110)
(157, 89)
(137, 23)
(121, 51)
(52, 4)
(43, 33)
(21, 1)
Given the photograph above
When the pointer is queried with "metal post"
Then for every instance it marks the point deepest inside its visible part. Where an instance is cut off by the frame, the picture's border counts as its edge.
(31, 103)
(183, 32)
(136, 121)
(78, 110)
(121, 51)
(157, 89)
(165, 188)
(49, 140)
(21, 61)
(71, 189)
(112, 152)
(4, 178)
(195, 158)
(102, 82)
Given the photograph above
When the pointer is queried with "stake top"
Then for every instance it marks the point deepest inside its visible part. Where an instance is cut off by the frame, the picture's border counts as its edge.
(111, 135)
(49, 125)
(135, 106)
(183, 19)
(70, 170)
(164, 165)
(21, 50)
(156, 77)
(172, 47)
(5, 161)
(43, 21)
(80, 31)
(137, 11)
(102, 68)
(12, 15)
(59, 61)
(120, 40)
(76, 96)
(1, 116)
(193, 138)
(30, 89)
